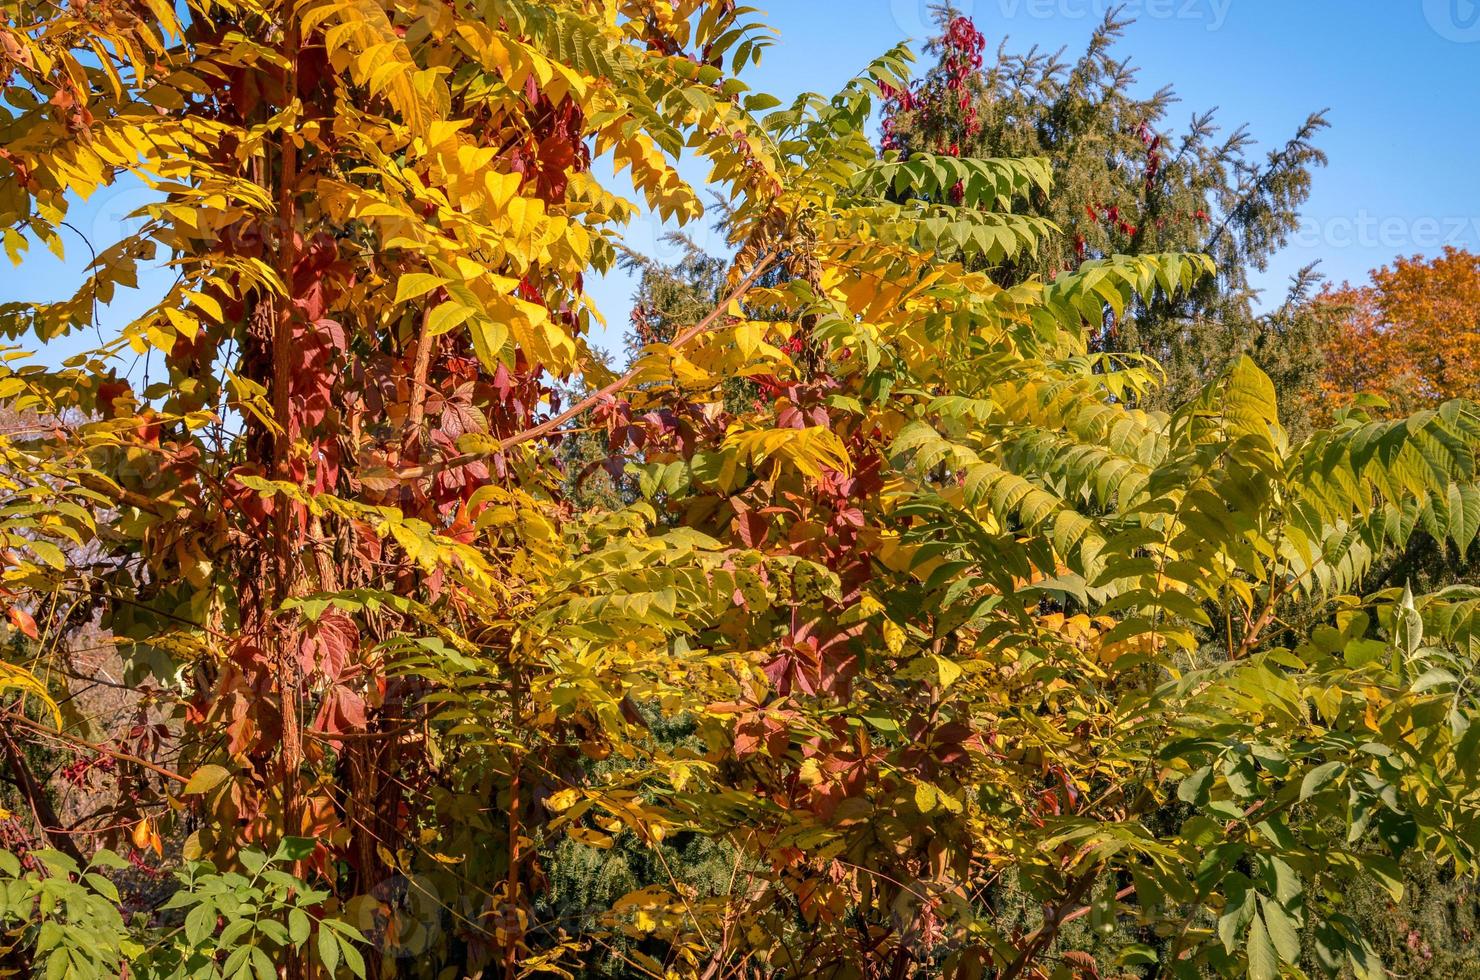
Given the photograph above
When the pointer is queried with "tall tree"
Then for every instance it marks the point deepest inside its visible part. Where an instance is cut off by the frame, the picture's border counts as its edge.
(379, 218)
(1411, 339)
(1127, 183)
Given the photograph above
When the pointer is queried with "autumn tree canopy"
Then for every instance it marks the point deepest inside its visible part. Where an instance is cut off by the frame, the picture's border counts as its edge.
(935, 605)
(1411, 336)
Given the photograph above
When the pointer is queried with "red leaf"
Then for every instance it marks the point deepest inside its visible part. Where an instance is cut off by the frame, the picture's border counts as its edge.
(751, 528)
(327, 645)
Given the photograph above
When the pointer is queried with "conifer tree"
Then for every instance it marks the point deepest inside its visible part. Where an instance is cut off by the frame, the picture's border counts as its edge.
(1127, 182)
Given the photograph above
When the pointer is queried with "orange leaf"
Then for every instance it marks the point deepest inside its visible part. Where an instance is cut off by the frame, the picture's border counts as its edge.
(24, 622)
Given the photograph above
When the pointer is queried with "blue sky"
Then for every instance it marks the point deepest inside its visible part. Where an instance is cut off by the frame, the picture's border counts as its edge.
(1399, 76)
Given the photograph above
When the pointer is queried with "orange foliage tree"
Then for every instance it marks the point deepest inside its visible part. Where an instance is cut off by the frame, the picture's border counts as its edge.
(1412, 337)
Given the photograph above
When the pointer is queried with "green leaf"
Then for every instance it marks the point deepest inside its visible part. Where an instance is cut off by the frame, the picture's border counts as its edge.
(262, 963)
(1319, 778)
(299, 926)
(1281, 929)
(352, 957)
(1281, 878)
(345, 929)
(1432, 678)
(200, 923)
(1264, 963)
(1242, 775)
(328, 945)
(108, 859)
(1360, 653)
(234, 930)
(59, 864)
(1237, 913)
(274, 930)
(1194, 789)
(1137, 954)
(237, 963)
(1386, 871)
(294, 849)
(102, 886)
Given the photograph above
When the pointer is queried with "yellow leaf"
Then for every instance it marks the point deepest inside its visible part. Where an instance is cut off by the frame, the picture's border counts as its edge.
(205, 779)
(893, 637)
(948, 671)
(207, 304)
(447, 316)
(488, 340)
(589, 837)
(415, 284)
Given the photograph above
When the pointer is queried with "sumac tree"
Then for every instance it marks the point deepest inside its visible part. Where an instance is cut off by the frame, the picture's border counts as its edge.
(934, 605)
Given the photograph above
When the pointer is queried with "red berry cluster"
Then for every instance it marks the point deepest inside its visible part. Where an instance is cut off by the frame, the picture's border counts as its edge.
(1111, 216)
(1152, 142)
(77, 771)
(962, 47)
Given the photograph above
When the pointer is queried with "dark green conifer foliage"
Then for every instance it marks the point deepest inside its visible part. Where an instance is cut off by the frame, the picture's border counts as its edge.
(1127, 181)
(672, 296)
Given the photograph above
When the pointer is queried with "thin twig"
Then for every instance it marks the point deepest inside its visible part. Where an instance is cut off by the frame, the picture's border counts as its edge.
(83, 743)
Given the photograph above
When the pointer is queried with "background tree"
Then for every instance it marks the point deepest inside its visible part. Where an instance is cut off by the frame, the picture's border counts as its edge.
(1127, 183)
(671, 296)
(1410, 337)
